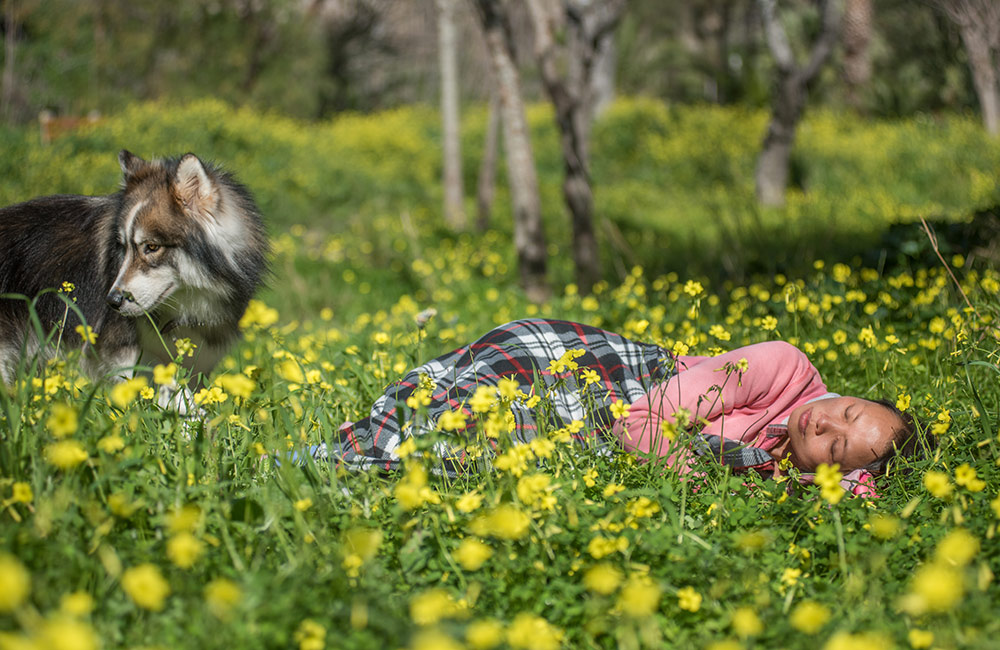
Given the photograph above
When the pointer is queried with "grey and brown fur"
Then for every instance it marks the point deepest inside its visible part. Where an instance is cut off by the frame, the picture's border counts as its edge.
(182, 241)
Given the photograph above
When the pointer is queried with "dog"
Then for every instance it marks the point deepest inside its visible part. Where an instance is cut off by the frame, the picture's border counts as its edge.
(176, 253)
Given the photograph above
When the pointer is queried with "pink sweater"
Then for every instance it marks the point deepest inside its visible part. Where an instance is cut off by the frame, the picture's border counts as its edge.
(736, 405)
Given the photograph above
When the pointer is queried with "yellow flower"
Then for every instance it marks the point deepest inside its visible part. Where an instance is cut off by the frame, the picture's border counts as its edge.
(746, 623)
(310, 635)
(768, 323)
(603, 546)
(688, 599)
(237, 384)
(87, 334)
(484, 634)
(209, 396)
(590, 480)
(78, 603)
(22, 493)
(719, 332)
(505, 522)
(938, 483)
(828, 478)
(531, 488)
(412, 490)
(612, 489)
(469, 501)
(164, 375)
(508, 388)
(935, 588)
(483, 399)
(145, 585)
(432, 606)
(965, 475)
(920, 638)
(363, 541)
(222, 596)
(472, 553)
(64, 633)
(184, 519)
(63, 421)
(120, 505)
(452, 420)
(867, 336)
(809, 617)
(15, 583)
(847, 641)
(620, 409)
(884, 526)
(124, 392)
(65, 454)
(111, 444)
(603, 578)
(184, 549)
(303, 504)
(258, 314)
(290, 371)
(532, 632)
(640, 597)
(693, 288)
(903, 402)
(642, 507)
(433, 639)
(957, 548)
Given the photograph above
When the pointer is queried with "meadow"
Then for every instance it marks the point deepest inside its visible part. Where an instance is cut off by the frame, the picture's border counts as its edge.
(125, 526)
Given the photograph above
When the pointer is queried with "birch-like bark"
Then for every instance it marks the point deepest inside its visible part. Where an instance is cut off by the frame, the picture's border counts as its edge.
(454, 209)
(788, 99)
(582, 24)
(529, 236)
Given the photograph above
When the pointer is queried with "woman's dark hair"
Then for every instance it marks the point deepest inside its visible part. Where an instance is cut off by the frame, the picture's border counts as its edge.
(907, 442)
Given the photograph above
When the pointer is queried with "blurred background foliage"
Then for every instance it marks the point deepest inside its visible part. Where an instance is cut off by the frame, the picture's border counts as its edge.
(673, 183)
(313, 58)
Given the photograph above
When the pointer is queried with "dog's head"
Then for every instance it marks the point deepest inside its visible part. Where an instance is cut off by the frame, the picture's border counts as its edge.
(177, 230)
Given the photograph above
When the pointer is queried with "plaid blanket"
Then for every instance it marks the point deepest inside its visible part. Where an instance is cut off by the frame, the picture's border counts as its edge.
(522, 350)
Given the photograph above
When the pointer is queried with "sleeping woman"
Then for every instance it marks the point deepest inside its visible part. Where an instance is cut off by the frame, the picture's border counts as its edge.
(749, 408)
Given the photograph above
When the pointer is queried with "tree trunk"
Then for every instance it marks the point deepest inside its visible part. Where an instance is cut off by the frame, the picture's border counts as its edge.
(856, 38)
(529, 236)
(984, 76)
(602, 85)
(789, 99)
(587, 24)
(771, 178)
(454, 210)
(486, 187)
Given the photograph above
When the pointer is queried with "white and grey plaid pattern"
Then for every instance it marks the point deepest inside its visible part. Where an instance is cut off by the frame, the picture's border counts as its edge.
(522, 350)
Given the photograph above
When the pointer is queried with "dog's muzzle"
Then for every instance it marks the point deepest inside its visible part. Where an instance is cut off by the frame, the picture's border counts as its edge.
(116, 298)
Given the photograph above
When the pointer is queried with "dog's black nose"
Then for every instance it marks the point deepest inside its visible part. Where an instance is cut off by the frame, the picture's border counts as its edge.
(116, 298)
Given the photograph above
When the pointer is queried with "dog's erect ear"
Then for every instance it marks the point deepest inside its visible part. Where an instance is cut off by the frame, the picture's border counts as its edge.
(193, 187)
(131, 164)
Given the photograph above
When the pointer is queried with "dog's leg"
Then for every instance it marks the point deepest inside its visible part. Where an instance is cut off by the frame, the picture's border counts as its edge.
(8, 361)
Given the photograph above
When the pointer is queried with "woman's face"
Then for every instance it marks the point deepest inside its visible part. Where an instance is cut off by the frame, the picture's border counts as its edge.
(847, 430)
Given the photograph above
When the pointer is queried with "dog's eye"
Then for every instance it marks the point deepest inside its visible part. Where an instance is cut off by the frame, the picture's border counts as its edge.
(151, 248)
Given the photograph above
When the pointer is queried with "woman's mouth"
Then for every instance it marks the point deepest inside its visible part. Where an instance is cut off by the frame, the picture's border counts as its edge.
(804, 420)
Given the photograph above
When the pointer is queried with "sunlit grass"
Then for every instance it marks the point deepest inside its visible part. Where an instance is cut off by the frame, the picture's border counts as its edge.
(123, 525)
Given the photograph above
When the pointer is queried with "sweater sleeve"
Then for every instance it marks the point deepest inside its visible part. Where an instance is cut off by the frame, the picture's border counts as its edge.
(776, 377)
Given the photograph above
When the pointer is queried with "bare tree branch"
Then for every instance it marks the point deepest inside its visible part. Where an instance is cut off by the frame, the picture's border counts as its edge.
(777, 40)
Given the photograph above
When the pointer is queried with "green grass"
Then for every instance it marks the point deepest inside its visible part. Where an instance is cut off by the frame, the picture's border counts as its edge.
(312, 557)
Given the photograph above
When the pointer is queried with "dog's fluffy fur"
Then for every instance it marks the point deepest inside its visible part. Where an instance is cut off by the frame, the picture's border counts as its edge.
(182, 241)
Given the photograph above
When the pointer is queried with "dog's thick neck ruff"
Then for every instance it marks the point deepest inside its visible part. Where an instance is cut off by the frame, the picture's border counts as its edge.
(180, 249)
